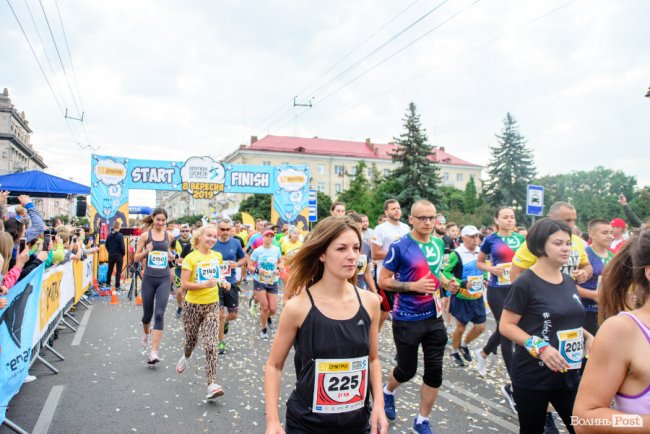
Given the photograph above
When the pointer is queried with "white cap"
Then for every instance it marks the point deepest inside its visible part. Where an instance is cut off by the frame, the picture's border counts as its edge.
(469, 231)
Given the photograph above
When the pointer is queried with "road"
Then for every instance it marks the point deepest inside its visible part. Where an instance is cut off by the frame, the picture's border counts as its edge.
(105, 386)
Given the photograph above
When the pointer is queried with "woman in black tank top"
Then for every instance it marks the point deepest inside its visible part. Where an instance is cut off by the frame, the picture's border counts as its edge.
(334, 329)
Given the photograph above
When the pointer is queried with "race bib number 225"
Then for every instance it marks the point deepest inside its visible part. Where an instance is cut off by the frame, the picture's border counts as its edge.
(340, 385)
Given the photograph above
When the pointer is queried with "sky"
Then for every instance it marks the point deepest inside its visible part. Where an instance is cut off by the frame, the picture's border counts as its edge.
(169, 80)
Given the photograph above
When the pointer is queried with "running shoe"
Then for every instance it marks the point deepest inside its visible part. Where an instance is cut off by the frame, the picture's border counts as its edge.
(252, 309)
(264, 335)
(465, 353)
(269, 322)
(146, 340)
(389, 406)
(222, 347)
(153, 358)
(458, 361)
(481, 363)
(29, 379)
(506, 390)
(214, 391)
(178, 312)
(421, 428)
(182, 364)
(549, 424)
(225, 328)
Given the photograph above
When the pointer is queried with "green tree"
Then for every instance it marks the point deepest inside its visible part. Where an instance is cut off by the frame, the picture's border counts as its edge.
(641, 204)
(257, 205)
(510, 169)
(453, 199)
(323, 205)
(416, 173)
(470, 197)
(358, 196)
(189, 219)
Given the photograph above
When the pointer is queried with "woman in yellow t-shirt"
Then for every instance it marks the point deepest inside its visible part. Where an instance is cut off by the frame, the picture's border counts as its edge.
(290, 246)
(201, 279)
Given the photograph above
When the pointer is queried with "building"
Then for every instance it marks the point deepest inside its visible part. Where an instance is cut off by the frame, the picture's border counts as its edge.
(16, 150)
(333, 162)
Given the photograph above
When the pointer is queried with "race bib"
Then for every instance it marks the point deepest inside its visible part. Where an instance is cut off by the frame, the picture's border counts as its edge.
(157, 259)
(504, 279)
(340, 385)
(475, 284)
(571, 346)
(206, 271)
(224, 269)
(362, 263)
(436, 300)
(266, 276)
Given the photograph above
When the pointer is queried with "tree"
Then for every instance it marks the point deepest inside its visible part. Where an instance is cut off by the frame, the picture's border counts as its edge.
(257, 205)
(470, 197)
(416, 173)
(358, 195)
(510, 169)
(453, 199)
(323, 205)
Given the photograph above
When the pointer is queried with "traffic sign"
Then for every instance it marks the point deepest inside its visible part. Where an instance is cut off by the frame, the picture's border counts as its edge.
(535, 200)
(313, 206)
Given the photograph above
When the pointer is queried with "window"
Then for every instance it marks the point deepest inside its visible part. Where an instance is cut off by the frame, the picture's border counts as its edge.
(339, 170)
(353, 171)
(459, 177)
(285, 163)
(370, 173)
(386, 173)
(445, 176)
(321, 169)
(321, 187)
(337, 188)
(266, 163)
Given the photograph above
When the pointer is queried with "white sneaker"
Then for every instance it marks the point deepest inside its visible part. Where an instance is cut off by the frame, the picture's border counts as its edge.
(29, 379)
(264, 335)
(146, 340)
(182, 364)
(481, 363)
(214, 391)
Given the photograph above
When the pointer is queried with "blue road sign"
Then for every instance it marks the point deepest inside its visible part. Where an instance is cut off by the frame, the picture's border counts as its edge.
(313, 206)
(535, 200)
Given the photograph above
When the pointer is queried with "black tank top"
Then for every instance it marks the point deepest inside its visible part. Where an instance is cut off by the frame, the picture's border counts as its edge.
(158, 258)
(332, 370)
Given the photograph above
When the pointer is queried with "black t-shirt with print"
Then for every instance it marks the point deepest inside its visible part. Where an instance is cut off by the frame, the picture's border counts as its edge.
(549, 311)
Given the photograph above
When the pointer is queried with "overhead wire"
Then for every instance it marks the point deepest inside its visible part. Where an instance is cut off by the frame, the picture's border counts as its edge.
(453, 59)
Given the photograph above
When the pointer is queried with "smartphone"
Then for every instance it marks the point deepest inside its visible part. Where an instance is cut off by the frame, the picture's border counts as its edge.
(22, 245)
(74, 240)
(46, 242)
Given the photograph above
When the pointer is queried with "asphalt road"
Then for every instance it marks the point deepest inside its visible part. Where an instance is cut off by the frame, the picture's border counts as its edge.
(105, 386)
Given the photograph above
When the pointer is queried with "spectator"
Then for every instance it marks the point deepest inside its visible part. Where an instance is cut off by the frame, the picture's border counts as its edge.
(619, 227)
(116, 251)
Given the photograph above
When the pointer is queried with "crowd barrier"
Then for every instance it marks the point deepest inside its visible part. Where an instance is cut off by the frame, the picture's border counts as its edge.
(36, 306)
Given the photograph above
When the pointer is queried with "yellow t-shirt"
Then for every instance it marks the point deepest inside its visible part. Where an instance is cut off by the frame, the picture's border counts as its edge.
(243, 235)
(203, 267)
(288, 246)
(578, 256)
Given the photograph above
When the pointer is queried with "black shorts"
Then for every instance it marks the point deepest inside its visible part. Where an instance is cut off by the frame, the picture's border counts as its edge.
(229, 298)
(259, 286)
(466, 311)
(387, 300)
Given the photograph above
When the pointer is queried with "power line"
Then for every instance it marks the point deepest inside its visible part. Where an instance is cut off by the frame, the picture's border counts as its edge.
(453, 59)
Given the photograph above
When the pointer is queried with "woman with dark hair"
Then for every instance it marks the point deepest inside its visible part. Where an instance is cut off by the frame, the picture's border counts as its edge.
(618, 366)
(333, 326)
(154, 245)
(543, 315)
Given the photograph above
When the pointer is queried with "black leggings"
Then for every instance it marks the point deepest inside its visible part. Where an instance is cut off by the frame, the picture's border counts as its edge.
(155, 289)
(496, 296)
(532, 406)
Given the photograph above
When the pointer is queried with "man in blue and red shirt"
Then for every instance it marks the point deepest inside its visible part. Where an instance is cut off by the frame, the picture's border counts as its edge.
(412, 270)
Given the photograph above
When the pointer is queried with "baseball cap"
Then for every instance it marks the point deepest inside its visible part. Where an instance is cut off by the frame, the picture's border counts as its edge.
(618, 223)
(268, 232)
(469, 231)
(441, 219)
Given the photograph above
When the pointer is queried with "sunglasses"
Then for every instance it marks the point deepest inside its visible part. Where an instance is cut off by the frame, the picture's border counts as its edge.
(224, 229)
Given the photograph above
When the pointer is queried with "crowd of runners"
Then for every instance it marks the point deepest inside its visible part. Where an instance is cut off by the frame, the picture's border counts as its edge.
(570, 310)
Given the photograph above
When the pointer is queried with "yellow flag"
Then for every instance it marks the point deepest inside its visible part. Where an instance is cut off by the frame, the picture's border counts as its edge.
(248, 219)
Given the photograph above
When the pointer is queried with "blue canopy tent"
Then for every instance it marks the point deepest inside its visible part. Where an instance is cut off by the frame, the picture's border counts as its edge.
(39, 184)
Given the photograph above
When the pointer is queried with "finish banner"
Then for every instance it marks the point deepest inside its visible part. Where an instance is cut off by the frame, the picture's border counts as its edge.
(17, 323)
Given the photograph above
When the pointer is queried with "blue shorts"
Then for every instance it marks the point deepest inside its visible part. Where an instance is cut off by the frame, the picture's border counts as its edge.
(466, 311)
(259, 286)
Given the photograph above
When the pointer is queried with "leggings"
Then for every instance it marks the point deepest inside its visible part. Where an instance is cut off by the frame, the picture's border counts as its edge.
(115, 262)
(496, 296)
(155, 289)
(204, 317)
(532, 406)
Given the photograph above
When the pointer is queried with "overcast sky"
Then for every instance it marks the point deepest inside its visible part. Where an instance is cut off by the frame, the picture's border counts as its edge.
(169, 79)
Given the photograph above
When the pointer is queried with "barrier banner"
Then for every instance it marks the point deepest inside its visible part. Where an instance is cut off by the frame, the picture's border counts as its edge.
(17, 323)
(83, 276)
(50, 296)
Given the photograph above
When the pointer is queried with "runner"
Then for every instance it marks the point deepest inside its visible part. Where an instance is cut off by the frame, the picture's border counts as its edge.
(620, 234)
(290, 246)
(153, 245)
(601, 235)
(440, 231)
(181, 247)
(366, 232)
(500, 247)
(265, 262)
(337, 209)
(468, 304)
(385, 235)
(334, 328)
(233, 256)
(201, 280)
(544, 317)
(364, 265)
(412, 270)
(618, 367)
